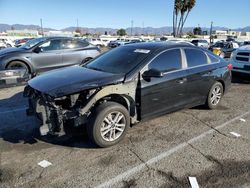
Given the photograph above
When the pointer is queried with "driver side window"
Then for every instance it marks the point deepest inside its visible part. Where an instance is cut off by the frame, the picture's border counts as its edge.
(167, 61)
(51, 45)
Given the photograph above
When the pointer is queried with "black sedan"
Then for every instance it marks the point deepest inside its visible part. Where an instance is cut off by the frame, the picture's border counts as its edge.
(126, 85)
(47, 53)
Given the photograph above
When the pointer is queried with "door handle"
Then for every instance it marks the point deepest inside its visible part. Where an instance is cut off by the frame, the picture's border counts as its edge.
(181, 81)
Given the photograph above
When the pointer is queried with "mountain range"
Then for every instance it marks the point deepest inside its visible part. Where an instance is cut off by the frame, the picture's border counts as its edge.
(102, 30)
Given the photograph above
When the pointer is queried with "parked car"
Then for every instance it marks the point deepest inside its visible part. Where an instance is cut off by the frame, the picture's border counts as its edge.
(228, 48)
(126, 85)
(20, 42)
(2, 45)
(181, 42)
(246, 43)
(97, 42)
(46, 53)
(122, 42)
(241, 60)
(7, 42)
(217, 47)
(200, 43)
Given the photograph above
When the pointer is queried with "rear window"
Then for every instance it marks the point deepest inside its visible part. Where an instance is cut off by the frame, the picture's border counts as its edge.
(212, 58)
(195, 57)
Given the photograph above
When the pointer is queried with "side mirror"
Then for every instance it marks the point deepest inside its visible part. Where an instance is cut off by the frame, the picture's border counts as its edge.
(37, 50)
(152, 73)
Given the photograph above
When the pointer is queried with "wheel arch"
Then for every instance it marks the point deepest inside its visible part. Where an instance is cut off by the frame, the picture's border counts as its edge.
(223, 84)
(30, 67)
(124, 100)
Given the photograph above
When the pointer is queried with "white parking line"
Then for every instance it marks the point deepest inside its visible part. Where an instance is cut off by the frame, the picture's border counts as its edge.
(193, 182)
(235, 134)
(14, 110)
(163, 155)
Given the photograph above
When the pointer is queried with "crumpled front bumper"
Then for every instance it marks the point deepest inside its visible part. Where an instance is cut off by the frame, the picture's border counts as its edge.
(52, 119)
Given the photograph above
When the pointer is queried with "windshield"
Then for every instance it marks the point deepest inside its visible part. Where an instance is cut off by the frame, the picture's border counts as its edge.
(120, 60)
(32, 43)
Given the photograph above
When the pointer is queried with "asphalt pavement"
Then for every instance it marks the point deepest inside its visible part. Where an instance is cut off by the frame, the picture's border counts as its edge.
(211, 145)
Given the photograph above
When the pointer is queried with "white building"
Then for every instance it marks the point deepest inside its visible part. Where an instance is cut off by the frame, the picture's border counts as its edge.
(25, 32)
(58, 33)
(220, 32)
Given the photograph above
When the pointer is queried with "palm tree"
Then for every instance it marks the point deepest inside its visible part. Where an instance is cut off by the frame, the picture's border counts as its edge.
(189, 6)
(177, 9)
(182, 8)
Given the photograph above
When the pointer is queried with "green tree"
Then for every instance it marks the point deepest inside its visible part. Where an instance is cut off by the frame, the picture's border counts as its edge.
(182, 8)
(121, 32)
(197, 31)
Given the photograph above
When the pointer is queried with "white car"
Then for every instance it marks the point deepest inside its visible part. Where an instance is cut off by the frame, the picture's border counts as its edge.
(200, 43)
(241, 60)
(98, 42)
(8, 43)
(2, 45)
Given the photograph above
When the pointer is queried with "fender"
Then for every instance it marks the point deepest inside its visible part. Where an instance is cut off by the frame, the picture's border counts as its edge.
(24, 60)
(126, 90)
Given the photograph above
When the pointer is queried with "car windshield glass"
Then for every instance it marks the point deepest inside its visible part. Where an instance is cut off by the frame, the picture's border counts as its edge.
(32, 43)
(120, 60)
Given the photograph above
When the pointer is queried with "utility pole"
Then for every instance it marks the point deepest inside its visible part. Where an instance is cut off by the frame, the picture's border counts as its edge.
(41, 22)
(142, 28)
(77, 25)
(211, 33)
(132, 25)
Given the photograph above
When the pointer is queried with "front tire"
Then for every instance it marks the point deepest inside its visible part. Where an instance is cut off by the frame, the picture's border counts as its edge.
(215, 95)
(108, 124)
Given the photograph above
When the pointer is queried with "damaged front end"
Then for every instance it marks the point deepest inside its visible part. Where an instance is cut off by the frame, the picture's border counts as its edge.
(56, 113)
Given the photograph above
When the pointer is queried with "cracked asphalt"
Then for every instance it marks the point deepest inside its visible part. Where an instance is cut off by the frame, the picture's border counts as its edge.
(162, 152)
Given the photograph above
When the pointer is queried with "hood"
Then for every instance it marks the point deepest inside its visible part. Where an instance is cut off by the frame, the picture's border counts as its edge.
(71, 80)
(245, 47)
(11, 50)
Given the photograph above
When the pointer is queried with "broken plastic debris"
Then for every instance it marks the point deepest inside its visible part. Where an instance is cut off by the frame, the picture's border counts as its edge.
(44, 164)
(235, 134)
(243, 120)
(193, 182)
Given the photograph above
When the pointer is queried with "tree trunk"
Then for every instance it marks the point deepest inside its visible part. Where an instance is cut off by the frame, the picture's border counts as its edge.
(179, 25)
(184, 21)
(174, 25)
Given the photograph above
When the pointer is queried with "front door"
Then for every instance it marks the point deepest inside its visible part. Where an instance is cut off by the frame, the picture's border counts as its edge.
(167, 93)
(49, 57)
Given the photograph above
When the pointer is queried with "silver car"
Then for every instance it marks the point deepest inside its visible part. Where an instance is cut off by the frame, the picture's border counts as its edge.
(47, 53)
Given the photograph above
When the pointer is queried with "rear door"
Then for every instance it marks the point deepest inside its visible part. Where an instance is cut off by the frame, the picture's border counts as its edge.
(167, 93)
(200, 78)
(73, 52)
(50, 56)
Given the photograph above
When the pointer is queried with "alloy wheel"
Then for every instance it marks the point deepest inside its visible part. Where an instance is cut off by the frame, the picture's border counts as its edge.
(113, 126)
(216, 95)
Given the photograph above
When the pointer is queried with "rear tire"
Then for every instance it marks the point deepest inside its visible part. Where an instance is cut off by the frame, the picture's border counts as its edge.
(109, 124)
(215, 95)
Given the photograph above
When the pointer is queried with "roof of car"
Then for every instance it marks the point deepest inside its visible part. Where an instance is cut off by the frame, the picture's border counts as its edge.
(57, 37)
(158, 45)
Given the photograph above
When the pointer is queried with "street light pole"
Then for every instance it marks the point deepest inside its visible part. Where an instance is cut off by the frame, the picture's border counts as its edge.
(211, 32)
(132, 25)
(41, 22)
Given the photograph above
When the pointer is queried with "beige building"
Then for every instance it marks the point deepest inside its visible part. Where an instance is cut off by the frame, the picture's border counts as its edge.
(25, 33)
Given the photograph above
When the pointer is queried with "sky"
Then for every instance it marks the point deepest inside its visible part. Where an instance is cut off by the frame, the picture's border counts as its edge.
(59, 14)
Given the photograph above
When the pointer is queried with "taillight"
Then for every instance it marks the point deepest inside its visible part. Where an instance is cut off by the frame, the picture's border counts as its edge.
(230, 66)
